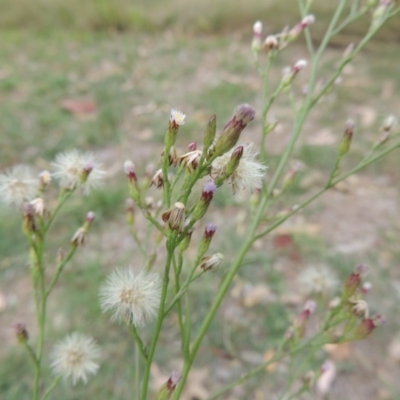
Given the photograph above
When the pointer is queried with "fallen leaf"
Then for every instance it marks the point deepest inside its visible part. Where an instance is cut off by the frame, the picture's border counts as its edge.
(79, 107)
(338, 351)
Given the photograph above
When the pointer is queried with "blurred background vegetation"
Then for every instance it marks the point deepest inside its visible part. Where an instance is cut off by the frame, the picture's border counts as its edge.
(102, 75)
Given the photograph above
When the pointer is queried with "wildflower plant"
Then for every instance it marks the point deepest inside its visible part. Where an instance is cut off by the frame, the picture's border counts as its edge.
(146, 293)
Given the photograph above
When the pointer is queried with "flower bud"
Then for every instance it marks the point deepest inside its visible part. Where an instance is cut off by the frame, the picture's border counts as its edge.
(168, 388)
(44, 180)
(354, 280)
(175, 217)
(207, 194)
(230, 166)
(344, 145)
(28, 219)
(231, 133)
(184, 244)
(177, 118)
(21, 332)
(86, 170)
(206, 239)
(210, 262)
(256, 42)
(209, 134)
(191, 147)
(388, 123)
(366, 327)
(271, 43)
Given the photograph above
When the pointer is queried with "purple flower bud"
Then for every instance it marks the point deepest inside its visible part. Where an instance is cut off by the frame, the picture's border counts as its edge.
(210, 231)
(209, 189)
(191, 147)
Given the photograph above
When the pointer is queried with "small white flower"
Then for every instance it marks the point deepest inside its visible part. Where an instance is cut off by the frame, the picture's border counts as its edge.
(75, 358)
(131, 297)
(257, 27)
(249, 173)
(17, 185)
(178, 117)
(74, 168)
(318, 280)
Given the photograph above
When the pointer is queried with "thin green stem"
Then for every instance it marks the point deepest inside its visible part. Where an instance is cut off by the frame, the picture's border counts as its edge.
(60, 268)
(160, 318)
(364, 163)
(137, 372)
(51, 387)
(137, 240)
(139, 343)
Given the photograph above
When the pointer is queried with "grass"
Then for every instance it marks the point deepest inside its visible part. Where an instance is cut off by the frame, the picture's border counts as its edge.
(122, 73)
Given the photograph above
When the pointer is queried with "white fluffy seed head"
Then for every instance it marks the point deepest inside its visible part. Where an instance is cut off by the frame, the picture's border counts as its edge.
(75, 168)
(17, 185)
(131, 297)
(75, 358)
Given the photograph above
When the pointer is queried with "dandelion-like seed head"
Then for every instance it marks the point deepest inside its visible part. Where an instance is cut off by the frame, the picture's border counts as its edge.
(17, 185)
(131, 297)
(75, 358)
(178, 117)
(75, 168)
(249, 173)
(318, 280)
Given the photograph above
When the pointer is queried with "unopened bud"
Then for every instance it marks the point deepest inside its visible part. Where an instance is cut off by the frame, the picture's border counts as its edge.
(209, 134)
(230, 166)
(21, 332)
(206, 239)
(308, 20)
(354, 281)
(184, 244)
(28, 219)
(366, 327)
(256, 42)
(90, 217)
(191, 147)
(44, 179)
(210, 262)
(168, 388)
(207, 194)
(86, 170)
(366, 287)
(175, 217)
(344, 145)
(271, 43)
(231, 133)
(388, 123)
(129, 168)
